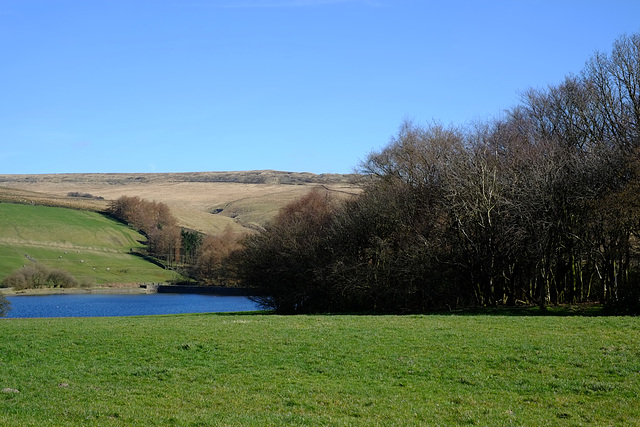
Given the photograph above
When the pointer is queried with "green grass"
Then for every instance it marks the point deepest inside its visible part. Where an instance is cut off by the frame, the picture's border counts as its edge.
(261, 369)
(84, 243)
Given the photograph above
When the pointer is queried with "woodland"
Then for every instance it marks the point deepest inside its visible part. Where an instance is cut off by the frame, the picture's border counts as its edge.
(539, 206)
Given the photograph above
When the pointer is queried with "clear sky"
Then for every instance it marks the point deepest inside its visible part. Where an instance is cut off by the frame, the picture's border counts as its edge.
(292, 85)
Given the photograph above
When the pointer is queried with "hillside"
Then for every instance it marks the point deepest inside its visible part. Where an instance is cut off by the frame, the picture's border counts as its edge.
(90, 246)
(205, 201)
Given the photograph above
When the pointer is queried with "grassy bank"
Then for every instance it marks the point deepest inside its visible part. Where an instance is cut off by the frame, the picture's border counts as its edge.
(262, 369)
(88, 245)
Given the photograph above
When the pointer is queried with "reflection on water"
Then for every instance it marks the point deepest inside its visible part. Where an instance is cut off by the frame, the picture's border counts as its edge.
(100, 305)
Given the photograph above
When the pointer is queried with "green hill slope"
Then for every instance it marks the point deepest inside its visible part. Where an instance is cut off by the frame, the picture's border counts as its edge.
(88, 245)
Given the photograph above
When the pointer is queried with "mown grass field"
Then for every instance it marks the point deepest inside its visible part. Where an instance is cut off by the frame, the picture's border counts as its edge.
(87, 244)
(263, 369)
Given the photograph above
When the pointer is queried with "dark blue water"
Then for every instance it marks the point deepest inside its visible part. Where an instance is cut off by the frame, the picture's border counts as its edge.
(101, 305)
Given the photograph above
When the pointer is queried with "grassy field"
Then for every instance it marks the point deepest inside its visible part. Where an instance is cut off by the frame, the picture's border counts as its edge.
(88, 245)
(262, 369)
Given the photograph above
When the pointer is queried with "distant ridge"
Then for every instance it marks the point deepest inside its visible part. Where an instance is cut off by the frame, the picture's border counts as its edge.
(241, 177)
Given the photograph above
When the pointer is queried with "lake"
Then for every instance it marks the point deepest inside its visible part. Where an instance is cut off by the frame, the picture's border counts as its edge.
(102, 305)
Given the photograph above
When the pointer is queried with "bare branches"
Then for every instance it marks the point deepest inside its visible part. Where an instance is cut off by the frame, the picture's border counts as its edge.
(541, 206)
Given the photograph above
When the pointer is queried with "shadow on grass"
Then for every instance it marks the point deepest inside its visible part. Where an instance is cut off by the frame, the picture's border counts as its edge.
(587, 310)
(584, 310)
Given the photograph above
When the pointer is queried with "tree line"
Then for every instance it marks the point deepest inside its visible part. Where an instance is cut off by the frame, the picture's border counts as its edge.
(201, 257)
(539, 206)
(155, 221)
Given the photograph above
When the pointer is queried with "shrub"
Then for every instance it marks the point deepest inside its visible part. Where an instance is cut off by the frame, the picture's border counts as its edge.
(61, 279)
(5, 306)
(214, 262)
(84, 195)
(39, 276)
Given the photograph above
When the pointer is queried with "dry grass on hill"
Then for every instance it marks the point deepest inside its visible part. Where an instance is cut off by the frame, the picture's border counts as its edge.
(205, 201)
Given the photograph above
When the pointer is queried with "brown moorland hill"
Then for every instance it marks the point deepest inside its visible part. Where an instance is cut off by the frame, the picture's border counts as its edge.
(209, 202)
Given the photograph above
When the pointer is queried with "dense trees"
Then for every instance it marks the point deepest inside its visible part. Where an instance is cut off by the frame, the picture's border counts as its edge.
(285, 260)
(201, 257)
(539, 206)
(213, 261)
(155, 221)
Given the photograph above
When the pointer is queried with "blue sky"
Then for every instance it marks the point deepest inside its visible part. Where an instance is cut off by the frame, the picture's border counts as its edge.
(292, 85)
